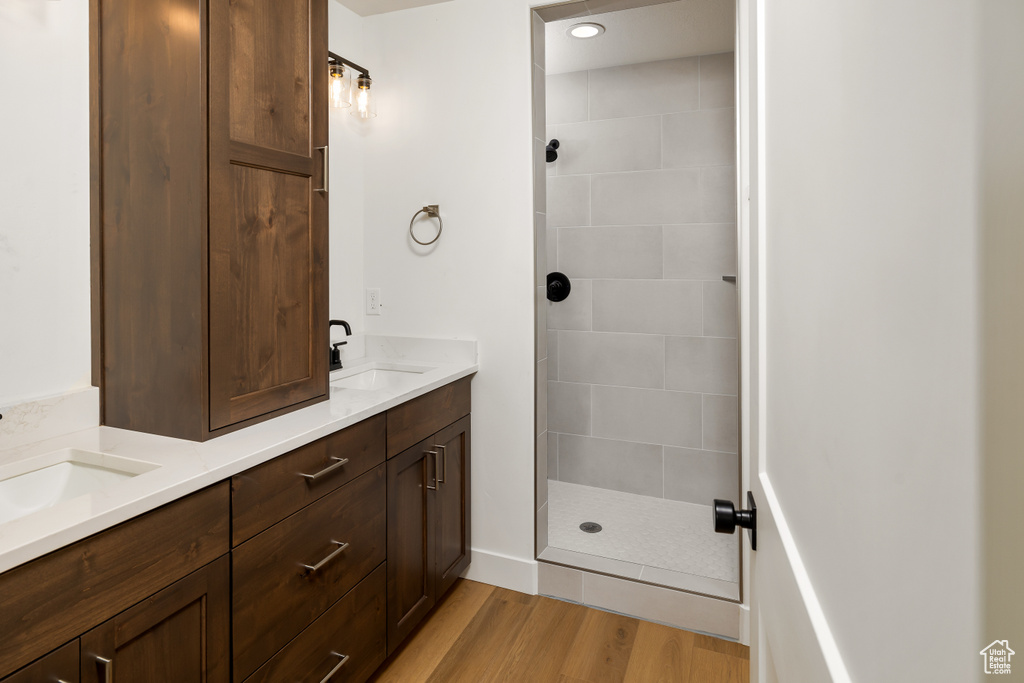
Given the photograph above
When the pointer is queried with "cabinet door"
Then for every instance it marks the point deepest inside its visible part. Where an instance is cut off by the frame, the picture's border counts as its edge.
(59, 665)
(179, 635)
(268, 341)
(452, 445)
(412, 479)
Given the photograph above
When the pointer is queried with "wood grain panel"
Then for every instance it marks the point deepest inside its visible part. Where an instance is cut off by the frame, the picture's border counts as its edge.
(266, 494)
(59, 665)
(270, 74)
(660, 653)
(53, 599)
(354, 627)
(453, 496)
(151, 179)
(602, 648)
(262, 351)
(543, 644)
(179, 635)
(411, 538)
(421, 417)
(274, 597)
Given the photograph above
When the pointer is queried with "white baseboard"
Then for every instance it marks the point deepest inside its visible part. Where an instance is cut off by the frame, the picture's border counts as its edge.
(513, 573)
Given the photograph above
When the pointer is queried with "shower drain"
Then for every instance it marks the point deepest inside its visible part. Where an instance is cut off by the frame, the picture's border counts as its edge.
(590, 527)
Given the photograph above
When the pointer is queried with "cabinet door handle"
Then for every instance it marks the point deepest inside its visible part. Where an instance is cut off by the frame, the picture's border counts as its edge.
(311, 568)
(329, 676)
(434, 487)
(444, 461)
(341, 462)
(327, 164)
(106, 668)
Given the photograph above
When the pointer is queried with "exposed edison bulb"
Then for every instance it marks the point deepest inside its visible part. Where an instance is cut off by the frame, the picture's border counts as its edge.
(365, 103)
(340, 87)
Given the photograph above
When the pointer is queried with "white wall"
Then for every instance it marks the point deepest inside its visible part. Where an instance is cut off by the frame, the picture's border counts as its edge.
(44, 192)
(872, 323)
(455, 129)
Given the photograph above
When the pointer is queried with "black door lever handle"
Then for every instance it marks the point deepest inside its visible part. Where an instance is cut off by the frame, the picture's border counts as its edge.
(727, 518)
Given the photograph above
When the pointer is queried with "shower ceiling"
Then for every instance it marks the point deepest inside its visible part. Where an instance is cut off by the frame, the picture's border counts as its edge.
(646, 34)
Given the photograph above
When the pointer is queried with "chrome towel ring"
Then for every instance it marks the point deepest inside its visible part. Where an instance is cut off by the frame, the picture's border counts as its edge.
(432, 211)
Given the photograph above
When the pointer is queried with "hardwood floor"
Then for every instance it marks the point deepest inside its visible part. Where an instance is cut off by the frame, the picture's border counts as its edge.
(481, 633)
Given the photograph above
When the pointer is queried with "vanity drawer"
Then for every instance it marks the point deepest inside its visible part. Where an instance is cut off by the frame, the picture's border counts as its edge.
(60, 665)
(277, 594)
(353, 628)
(266, 494)
(415, 420)
(49, 601)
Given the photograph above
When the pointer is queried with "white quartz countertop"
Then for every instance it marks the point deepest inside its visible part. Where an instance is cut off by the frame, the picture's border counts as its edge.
(186, 466)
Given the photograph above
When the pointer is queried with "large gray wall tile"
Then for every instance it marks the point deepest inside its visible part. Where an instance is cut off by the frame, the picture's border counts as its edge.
(568, 200)
(648, 416)
(574, 312)
(538, 35)
(541, 395)
(648, 306)
(539, 99)
(696, 476)
(560, 582)
(721, 423)
(569, 408)
(617, 465)
(630, 360)
(708, 365)
(717, 194)
(567, 97)
(721, 317)
(717, 81)
(552, 354)
(649, 197)
(700, 252)
(642, 89)
(540, 182)
(552, 454)
(699, 138)
(632, 144)
(552, 246)
(610, 252)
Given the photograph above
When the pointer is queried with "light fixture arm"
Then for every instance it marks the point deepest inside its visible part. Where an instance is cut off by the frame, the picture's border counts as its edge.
(341, 60)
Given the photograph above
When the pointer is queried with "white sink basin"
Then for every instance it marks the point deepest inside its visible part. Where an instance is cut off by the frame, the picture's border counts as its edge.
(53, 478)
(378, 376)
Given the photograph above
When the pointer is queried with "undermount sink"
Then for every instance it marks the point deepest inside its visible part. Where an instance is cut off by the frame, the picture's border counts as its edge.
(379, 376)
(53, 478)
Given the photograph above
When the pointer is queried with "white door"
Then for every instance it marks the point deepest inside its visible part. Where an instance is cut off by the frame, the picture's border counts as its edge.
(790, 640)
(858, 288)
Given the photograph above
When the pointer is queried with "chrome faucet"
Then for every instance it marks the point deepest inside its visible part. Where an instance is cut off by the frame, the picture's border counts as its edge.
(335, 351)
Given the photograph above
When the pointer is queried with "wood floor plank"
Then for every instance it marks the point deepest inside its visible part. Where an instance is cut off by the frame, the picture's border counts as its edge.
(661, 654)
(600, 652)
(708, 666)
(543, 644)
(417, 658)
(725, 647)
(495, 627)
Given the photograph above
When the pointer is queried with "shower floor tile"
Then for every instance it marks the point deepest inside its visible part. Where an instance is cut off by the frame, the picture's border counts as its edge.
(652, 539)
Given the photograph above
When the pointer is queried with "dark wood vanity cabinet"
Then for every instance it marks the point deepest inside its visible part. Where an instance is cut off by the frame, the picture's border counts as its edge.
(428, 520)
(209, 211)
(60, 665)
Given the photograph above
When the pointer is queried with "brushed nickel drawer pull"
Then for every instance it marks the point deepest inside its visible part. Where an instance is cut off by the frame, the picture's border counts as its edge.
(344, 658)
(434, 487)
(107, 668)
(444, 460)
(319, 565)
(341, 462)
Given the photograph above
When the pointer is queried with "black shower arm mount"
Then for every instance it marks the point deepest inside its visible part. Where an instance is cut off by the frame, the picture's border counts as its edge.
(341, 60)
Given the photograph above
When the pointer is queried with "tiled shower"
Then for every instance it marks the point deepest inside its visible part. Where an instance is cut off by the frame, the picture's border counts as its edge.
(641, 359)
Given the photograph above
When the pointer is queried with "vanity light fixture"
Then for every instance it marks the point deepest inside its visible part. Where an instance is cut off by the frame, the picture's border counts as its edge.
(587, 29)
(344, 93)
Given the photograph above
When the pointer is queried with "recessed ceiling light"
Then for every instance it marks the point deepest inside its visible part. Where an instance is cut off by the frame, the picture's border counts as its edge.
(586, 30)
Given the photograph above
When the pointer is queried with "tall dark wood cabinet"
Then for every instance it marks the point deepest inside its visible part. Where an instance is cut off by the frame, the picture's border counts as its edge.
(209, 159)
